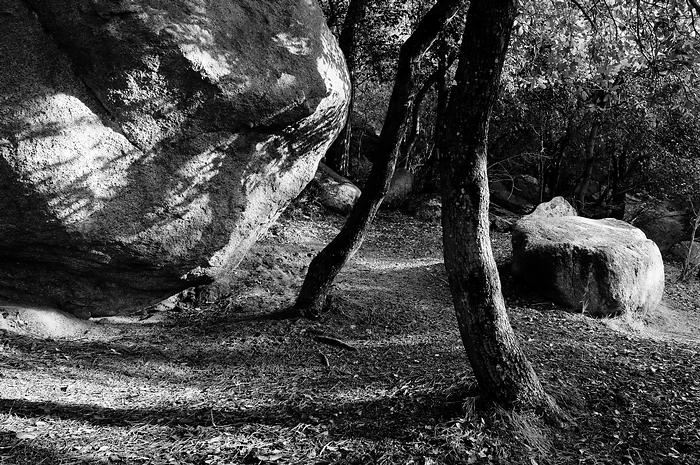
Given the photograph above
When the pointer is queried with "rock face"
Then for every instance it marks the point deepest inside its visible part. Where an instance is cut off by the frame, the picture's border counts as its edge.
(334, 191)
(598, 267)
(145, 144)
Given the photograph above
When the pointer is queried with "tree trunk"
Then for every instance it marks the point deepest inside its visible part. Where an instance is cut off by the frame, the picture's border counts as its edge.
(414, 128)
(553, 170)
(501, 369)
(327, 264)
(582, 187)
(431, 169)
(619, 192)
(338, 155)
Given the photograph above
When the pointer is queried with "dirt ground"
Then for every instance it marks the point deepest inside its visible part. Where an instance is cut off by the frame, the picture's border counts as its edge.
(193, 384)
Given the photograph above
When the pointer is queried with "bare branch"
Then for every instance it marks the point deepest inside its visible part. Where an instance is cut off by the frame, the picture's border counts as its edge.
(612, 17)
(587, 15)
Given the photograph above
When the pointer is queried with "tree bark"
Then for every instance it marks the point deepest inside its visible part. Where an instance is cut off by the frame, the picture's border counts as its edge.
(327, 264)
(414, 127)
(588, 168)
(431, 170)
(338, 155)
(502, 371)
(617, 186)
(552, 173)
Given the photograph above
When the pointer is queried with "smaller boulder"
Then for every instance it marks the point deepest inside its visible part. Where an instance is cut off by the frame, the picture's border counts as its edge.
(400, 188)
(527, 187)
(334, 191)
(597, 267)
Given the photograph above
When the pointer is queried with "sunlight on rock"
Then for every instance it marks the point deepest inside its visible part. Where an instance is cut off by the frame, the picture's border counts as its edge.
(202, 60)
(335, 77)
(80, 185)
(286, 80)
(294, 45)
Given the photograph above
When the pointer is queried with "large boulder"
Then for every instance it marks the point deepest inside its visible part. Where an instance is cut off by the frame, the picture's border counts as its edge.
(145, 145)
(599, 267)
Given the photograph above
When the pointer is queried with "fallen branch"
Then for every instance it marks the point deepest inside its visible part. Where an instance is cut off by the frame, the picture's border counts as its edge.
(324, 359)
(332, 341)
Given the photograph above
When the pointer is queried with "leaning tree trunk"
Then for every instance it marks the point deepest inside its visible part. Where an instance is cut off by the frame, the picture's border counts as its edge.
(328, 263)
(338, 155)
(503, 373)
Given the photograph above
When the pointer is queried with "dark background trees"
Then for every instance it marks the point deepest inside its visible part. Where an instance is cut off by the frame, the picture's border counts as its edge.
(597, 98)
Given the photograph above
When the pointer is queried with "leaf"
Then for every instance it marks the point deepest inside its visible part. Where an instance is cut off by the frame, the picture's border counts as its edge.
(25, 435)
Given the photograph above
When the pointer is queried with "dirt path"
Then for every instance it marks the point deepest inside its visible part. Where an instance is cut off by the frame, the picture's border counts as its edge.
(194, 385)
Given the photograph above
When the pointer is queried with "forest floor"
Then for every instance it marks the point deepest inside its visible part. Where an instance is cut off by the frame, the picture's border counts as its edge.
(195, 385)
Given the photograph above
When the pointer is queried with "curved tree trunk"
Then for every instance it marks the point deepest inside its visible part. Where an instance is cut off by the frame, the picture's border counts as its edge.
(502, 370)
(327, 264)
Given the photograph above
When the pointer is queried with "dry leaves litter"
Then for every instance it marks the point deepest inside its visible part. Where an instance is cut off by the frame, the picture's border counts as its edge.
(194, 384)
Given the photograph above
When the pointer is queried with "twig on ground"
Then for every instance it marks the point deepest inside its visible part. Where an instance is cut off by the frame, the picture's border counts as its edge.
(332, 341)
(324, 359)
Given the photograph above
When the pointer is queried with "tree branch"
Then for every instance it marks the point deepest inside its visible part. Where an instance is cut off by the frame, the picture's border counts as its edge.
(586, 14)
(695, 5)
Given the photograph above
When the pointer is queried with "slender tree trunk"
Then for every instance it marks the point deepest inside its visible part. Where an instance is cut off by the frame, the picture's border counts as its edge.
(432, 167)
(588, 168)
(617, 187)
(553, 170)
(338, 155)
(502, 370)
(691, 248)
(327, 264)
(414, 127)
